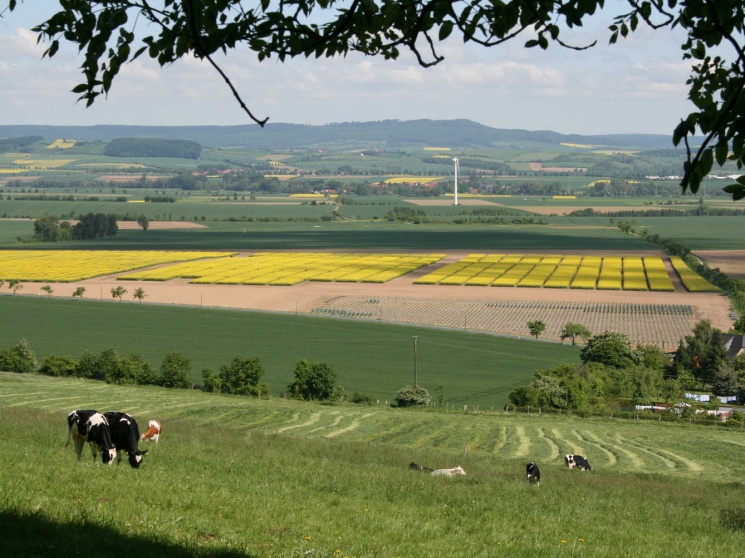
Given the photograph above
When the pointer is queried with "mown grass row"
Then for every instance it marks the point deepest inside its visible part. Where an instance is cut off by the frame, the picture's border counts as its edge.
(223, 482)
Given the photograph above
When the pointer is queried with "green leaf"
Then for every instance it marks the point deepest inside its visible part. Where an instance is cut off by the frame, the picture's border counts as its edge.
(722, 150)
(445, 29)
(737, 190)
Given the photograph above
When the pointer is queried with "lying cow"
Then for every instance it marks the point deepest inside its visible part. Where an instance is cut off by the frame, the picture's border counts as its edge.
(437, 472)
(449, 472)
(152, 432)
(92, 427)
(533, 473)
(577, 461)
(125, 435)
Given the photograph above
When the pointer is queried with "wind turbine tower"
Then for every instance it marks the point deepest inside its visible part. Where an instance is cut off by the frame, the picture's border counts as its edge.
(455, 189)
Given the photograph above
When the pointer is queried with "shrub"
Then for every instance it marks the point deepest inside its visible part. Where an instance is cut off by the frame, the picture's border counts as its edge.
(313, 380)
(60, 366)
(175, 371)
(364, 398)
(18, 359)
(412, 395)
(240, 377)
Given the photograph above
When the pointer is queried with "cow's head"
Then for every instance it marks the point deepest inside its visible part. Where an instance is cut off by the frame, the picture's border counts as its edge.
(108, 455)
(135, 458)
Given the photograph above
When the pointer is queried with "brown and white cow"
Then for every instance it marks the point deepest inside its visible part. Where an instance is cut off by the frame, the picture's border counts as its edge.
(125, 434)
(152, 432)
(92, 427)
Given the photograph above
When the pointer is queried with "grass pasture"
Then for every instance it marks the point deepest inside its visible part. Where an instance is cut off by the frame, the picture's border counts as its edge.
(269, 478)
(475, 369)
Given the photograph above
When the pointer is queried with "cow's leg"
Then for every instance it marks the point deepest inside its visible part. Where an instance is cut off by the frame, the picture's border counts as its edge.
(94, 451)
(79, 443)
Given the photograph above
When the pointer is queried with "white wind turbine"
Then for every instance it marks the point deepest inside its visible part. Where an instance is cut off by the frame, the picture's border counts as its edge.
(455, 189)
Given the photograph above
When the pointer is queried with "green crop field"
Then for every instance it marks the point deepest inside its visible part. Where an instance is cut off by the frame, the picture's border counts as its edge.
(475, 369)
(234, 477)
(339, 235)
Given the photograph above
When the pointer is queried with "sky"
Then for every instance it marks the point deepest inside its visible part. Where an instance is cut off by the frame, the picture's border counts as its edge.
(635, 86)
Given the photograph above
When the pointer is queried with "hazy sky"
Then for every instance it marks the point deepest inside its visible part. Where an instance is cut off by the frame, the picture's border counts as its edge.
(636, 86)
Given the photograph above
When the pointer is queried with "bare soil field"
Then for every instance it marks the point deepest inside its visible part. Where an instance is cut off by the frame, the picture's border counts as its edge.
(731, 262)
(160, 225)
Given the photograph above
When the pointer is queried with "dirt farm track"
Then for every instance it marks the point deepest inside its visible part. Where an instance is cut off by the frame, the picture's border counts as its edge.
(661, 318)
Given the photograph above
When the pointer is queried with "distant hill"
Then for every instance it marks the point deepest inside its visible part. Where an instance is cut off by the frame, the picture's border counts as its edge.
(384, 134)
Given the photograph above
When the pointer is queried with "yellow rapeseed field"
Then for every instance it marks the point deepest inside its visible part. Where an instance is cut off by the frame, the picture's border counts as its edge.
(64, 266)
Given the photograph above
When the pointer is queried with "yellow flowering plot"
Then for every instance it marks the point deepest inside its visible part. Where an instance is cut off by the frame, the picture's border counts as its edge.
(587, 276)
(289, 268)
(41, 164)
(513, 276)
(562, 277)
(611, 278)
(538, 275)
(657, 276)
(490, 274)
(691, 280)
(62, 144)
(467, 273)
(63, 266)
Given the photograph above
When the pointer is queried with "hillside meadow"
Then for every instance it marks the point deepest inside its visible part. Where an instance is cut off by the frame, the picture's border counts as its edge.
(271, 478)
(375, 358)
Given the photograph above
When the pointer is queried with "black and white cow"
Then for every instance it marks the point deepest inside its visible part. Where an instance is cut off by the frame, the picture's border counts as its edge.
(577, 461)
(533, 473)
(92, 427)
(126, 435)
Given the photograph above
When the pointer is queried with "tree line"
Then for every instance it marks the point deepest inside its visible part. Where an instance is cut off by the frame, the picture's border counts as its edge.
(90, 225)
(153, 147)
(614, 377)
(312, 381)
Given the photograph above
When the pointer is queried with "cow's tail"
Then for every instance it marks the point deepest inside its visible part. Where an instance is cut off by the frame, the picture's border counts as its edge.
(69, 436)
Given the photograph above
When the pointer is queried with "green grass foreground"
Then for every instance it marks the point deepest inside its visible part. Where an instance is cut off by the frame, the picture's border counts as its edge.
(375, 358)
(271, 478)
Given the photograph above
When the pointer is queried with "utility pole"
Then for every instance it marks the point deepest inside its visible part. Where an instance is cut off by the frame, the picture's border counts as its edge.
(416, 383)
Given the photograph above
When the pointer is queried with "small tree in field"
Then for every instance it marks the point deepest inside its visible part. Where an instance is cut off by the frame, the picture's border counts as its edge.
(143, 221)
(572, 331)
(313, 380)
(15, 285)
(536, 328)
(118, 292)
(47, 289)
(78, 292)
(139, 294)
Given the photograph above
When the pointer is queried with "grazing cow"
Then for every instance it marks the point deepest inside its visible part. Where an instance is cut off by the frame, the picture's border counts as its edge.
(577, 461)
(152, 432)
(125, 435)
(92, 427)
(534, 473)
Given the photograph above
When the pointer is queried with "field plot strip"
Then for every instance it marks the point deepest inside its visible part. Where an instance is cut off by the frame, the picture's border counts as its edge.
(610, 456)
(553, 447)
(671, 459)
(657, 324)
(523, 442)
(565, 442)
(355, 424)
(314, 418)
